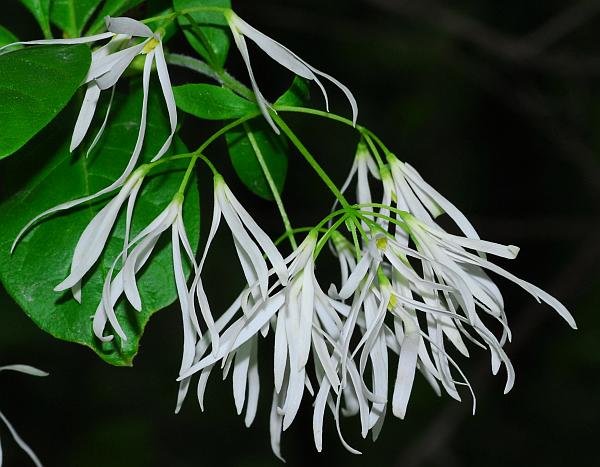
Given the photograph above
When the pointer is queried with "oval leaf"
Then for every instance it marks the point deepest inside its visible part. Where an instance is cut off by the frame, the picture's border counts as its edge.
(43, 257)
(35, 85)
(211, 102)
(245, 160)
(207, 33)
(297, 95)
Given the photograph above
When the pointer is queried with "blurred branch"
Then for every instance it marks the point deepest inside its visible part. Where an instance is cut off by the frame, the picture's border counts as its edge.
(570, 145)
(527, 51)
(566, 285)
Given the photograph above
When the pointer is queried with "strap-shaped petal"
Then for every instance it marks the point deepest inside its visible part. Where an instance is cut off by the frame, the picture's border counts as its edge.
(124, 25)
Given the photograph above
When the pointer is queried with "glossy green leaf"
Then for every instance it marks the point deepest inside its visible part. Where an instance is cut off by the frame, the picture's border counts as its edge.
(6, 37)
(111, 8)
(243, 154)
(211, 102)
(36, 83)
(297, 95)
(40, 9)
(211, 39)
(42, 259)
(72, 15)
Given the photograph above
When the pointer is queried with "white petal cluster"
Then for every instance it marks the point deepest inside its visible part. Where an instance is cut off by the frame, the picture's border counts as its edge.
(286, 58)
(412, 299)
(128, 39)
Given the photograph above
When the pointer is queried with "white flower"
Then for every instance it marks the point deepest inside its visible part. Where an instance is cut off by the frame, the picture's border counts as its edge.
(250, 242)
(451, 253)
(125, 280)
(107, 66)
(29, 370)
(286, 58)
(415, 196)
(96, 234)
(302, 317)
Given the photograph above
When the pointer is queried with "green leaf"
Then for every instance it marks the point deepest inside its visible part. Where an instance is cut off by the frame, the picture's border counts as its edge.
(6, 37)
(273, 149)
(43, 257)
(211, 102)
(36, 83)
(72, 15)
(297, 95)
(111, 8)
(40, 9)
(217, 34)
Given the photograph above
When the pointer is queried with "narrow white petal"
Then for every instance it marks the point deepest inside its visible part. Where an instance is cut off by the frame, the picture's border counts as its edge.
(406, 369)
(240, 375)
(86, 114)
(280, 353)
(319, 413)
(295, 391)
(110, 78)
(275, 428)
(455, 214)
(532, 289)
(274, 49)
(262, 102)
(189, 340)
(103, 126)
(167, 90)
(261, 237)
(307, 305)
(239, 232)
(253, 385)
(28, 370)
(344, 89)
(124, 25)
(236, 338)
(22, 444)
(356, 277)
(77, 40)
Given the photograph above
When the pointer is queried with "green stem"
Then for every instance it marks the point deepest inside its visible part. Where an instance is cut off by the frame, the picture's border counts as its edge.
(197, 154)
(319, 113)
(274, 190)
(221, 76)
(236, 86)
(311, 160)
(175, 14)
(365, 132)
(194, 64)
(374, 150)
(197, 30)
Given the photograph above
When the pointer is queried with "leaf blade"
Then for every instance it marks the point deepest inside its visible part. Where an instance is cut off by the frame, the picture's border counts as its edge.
(211, 102)
(72, 15)
(40, 9)
(44, 256)
(245, 162)
(25, 77)
(217, 35)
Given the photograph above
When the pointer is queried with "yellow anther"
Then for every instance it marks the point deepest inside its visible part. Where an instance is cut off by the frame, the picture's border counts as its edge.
(381, 243)
(393, 303)
(150, 46)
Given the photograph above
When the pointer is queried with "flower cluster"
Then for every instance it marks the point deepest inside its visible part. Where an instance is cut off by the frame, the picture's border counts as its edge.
(410, 293)
(408, 288)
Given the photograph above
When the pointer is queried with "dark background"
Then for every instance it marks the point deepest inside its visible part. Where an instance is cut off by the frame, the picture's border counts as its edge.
(498, 105)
